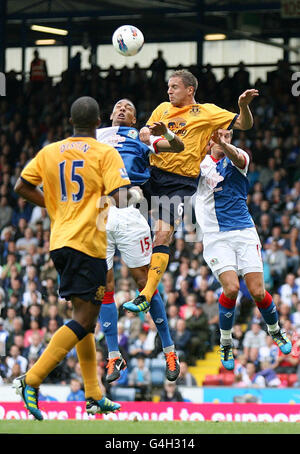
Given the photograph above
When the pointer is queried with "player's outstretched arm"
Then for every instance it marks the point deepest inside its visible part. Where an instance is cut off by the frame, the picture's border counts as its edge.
(171, 143)
(245, 119)
(237, 158)
(29, 192)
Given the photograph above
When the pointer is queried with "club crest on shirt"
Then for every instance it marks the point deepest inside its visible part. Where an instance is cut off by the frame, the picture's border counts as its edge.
(214, 261)
(133, 133)
(195, 110)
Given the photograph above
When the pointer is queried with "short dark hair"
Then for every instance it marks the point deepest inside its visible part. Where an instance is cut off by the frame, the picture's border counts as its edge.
(188, 79)
(85, 112)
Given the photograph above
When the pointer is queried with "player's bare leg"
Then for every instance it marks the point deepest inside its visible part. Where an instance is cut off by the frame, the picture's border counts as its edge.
(109, 324)
(157, 267)
(227, 301)
(158, 314)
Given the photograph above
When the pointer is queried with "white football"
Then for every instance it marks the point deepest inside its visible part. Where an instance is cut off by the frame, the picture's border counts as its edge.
(128, 40)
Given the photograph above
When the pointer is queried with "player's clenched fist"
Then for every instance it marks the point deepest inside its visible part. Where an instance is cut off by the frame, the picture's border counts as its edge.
(145, 135)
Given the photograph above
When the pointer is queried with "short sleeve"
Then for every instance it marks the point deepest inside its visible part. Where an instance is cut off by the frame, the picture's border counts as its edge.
(114, 173)
(221, 118)
(156, 114)
(33, 173)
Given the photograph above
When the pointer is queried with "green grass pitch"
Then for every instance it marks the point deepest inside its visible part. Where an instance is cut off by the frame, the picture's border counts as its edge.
(145, 427)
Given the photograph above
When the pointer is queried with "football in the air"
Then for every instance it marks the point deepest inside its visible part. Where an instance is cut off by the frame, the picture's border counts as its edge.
(128, 40)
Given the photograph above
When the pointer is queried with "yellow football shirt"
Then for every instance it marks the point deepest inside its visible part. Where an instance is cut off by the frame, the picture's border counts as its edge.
(194, 124)
(76, 173)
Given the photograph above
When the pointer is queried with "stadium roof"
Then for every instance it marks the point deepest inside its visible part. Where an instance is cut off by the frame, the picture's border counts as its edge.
(160, 20)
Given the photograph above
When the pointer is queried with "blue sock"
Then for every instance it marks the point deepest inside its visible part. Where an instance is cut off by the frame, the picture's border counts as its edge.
(158, 313)
(226, 312)
(108, 318)
(268, 309)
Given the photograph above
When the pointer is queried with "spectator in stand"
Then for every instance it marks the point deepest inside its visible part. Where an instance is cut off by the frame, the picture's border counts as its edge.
(211, 309)
(170, 393)
(140, 378)
(185, 377)
(15, 357)
(187, 310)
(197, 324)
(237, 340)
(277, 261)
(181, 337)
(287, 364)
(173, 315)
(250, 378)
(6, 212)
(291, 248)
(33, 313)
(77, 393)
(268, 352)
(132, 325)
(295, 317)
(254, 339)
(267, 372)
(52, 314)
(36, 346)
(289, 288)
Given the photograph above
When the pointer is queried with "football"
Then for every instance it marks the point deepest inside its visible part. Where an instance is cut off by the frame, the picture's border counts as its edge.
(128, 40)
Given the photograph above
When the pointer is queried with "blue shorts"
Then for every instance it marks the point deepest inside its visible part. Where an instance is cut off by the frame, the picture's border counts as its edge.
(80, 275)
(166, 194)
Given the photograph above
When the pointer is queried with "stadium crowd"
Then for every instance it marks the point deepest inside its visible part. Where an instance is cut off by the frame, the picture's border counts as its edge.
(31, 310)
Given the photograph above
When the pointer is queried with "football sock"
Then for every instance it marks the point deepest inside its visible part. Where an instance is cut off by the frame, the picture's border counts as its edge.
(159, 316)
(60, 344)
(158, 265)
(226, 318)
(108, 318)
(269, 312)
(86, 352)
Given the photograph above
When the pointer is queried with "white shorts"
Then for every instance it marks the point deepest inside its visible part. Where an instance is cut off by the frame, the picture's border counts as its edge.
(128, 230)
(235, 250)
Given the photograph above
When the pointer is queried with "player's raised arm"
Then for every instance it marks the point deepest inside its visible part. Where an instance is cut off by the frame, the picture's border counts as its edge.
(170, 142)
(237, 158)
(245, 119)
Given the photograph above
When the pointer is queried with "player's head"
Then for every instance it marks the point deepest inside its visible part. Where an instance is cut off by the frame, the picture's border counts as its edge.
(85, 114)
(215, 149)
(182, 87)
(124, 113)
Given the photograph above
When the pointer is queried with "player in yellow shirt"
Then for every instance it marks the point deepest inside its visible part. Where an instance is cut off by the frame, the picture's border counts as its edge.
(174, 176)
(75, 174)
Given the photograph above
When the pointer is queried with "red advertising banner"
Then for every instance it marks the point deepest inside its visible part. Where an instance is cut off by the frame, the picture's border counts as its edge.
(162, 411)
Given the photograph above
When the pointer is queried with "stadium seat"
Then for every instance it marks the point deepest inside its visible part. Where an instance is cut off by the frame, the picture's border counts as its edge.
(292, 379)
(227, 379)
(158, 377)
(123, 394)
(212, 380)
(157, 363)
(284, 379)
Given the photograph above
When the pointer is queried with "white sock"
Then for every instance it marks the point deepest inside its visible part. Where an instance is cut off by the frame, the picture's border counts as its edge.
(273, 328)
(226, 337)
(169, 349)
(115, 354)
